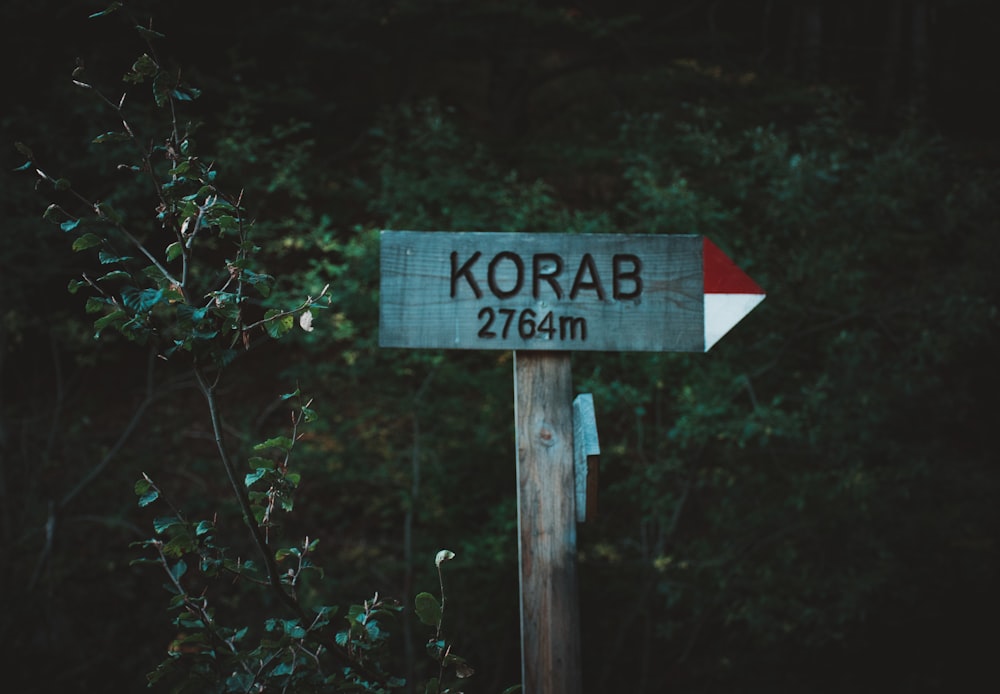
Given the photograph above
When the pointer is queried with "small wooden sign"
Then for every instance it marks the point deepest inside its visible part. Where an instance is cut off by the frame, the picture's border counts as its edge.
(558, 292)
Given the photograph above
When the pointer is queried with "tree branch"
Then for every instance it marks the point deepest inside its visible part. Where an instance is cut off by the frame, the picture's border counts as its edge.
(263, 548)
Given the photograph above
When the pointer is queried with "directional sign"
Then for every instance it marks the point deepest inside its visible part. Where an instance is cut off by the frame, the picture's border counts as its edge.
(544, 292)
(542, 295)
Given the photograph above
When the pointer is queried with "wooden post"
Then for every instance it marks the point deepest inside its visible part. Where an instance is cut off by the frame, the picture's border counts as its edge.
(550, 617)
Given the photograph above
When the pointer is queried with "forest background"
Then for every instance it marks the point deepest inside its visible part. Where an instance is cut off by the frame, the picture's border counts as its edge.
(812, 506)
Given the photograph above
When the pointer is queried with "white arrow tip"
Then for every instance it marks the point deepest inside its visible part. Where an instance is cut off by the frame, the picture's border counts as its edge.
(723, 311)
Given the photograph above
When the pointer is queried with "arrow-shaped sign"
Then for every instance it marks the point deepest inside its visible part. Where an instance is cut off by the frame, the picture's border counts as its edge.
(729, 293)
(542, 292)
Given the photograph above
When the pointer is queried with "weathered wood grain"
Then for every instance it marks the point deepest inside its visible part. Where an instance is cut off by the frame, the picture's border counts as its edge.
(540, 292)
(550, 621)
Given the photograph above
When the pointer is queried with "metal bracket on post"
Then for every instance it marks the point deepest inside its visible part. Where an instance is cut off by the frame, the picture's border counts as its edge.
(586, 449)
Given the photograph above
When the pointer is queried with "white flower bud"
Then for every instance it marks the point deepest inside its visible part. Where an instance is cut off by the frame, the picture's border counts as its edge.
(306, 321)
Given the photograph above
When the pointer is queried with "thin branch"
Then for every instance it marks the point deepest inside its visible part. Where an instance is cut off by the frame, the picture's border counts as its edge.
(197, 606)
(290, 312)
(142, 249)
(267, 556)
(144, 156)
(96, 207)
(56, 509)
(43, 556)
(208, 392)
(137, 415)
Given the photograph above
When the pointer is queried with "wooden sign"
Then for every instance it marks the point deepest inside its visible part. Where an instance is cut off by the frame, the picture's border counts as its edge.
(558, 292)
(543, 295)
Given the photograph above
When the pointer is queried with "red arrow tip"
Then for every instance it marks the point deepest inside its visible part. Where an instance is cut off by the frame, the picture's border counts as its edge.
(721, 274)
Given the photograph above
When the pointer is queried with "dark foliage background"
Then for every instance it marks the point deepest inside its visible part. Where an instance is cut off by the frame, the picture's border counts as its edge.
(810, 507)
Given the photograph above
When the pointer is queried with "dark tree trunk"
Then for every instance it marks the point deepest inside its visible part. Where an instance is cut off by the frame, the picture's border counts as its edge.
(812, 41)
(890, 63)
(920, 61)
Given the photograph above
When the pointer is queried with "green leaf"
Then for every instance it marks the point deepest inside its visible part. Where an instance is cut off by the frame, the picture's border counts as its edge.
(178, 569)
(70, 225)
(164, 523)
(149, 33)
(24, 167)
(148, 498)
(180, 169)
(143, 560)
(227, 223)
(191, 313)
(143, 67)
(181, 544)
(277, 324)
(262, 282)
(86, 241)
(255, 476)
(283, 669)
(174, 251)
(115, 318)
(113, 7)
(161, 89)
(186, 93)
(141, 299)
(293, 629)
(114, 275)
(74, 286)
(62, 184)
(203, 528)
(95, 304)
(428, 609)
(282, 442)
(108, 259)
(109, 137)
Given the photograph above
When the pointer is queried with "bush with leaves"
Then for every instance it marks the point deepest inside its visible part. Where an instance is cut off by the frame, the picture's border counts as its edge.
(189, 284)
